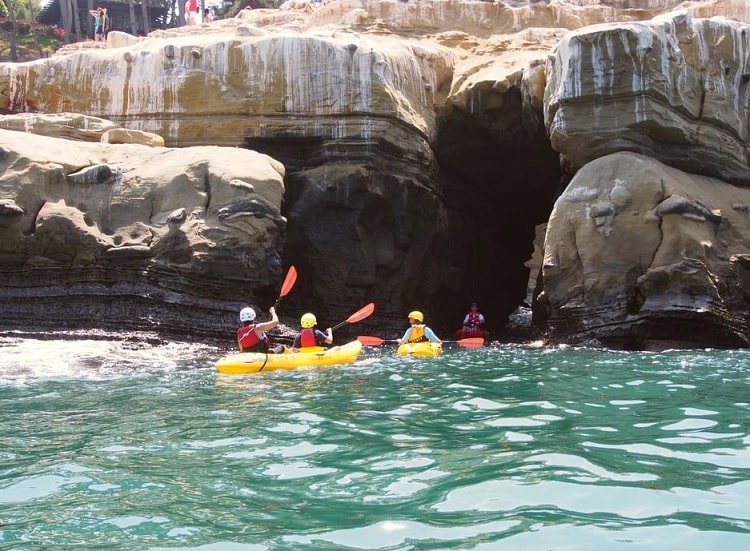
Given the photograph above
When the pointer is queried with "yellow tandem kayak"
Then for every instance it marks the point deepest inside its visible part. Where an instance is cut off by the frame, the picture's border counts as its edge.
(251, 362)
(420, 349)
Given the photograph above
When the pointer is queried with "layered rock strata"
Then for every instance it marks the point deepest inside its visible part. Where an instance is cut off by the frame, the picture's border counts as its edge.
(637, 251)
(135, 237)
(420, 144)
(639, 254)
(675, 88)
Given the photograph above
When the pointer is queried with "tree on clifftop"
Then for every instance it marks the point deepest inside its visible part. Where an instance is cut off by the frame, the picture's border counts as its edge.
(21, 39)
(24, 9)
(8, 8)
(69, 16)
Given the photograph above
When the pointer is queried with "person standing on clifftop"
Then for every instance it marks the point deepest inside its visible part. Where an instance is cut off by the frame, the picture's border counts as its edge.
(98, 15)
(191, 7)
(105, 24)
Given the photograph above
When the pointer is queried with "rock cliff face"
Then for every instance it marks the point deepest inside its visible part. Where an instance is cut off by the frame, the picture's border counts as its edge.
(674, 88)
(421, 144)
(638, 252)
(102, 232)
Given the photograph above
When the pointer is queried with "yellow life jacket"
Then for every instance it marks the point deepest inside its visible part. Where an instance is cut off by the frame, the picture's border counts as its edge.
(417, 333)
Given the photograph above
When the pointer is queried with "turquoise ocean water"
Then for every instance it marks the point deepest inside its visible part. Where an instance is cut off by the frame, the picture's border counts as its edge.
(105, 446)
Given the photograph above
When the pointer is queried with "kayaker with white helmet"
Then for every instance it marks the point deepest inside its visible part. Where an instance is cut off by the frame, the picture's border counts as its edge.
(310, 336)
(418, 331)
(251, 337)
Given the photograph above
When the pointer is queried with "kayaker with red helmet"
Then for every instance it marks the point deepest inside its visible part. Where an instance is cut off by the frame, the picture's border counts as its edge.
(418, 331)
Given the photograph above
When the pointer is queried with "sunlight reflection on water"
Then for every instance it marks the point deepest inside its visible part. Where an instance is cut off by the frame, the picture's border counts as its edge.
(144, 446)
(24, 359)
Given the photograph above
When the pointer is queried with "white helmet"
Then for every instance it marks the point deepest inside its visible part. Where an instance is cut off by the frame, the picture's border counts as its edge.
(247, 314)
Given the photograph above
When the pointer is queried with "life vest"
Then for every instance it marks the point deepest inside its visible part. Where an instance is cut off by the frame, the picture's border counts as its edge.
(248, 339)
(307, 338)
(474, 320)
(417, 333)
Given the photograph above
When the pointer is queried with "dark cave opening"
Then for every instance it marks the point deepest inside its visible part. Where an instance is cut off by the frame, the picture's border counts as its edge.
(499, 183)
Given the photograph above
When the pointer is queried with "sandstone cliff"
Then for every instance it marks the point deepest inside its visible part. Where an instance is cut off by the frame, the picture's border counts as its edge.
(421, 144)
(115, 233)
(636, 250)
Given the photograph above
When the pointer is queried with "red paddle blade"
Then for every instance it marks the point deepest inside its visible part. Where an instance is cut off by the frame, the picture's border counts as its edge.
(473, 342)
(362, 313)
(370, 341)
(289, 281)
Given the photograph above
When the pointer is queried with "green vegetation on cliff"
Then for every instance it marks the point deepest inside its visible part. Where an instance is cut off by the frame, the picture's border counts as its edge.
(32, 42)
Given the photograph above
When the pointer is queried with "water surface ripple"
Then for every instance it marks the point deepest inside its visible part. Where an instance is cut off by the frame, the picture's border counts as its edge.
(105, 447)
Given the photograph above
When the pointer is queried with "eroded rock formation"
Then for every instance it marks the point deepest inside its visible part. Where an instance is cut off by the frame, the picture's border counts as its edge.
(674, 88)
(92, 233)
(639, 252)
(421, 146)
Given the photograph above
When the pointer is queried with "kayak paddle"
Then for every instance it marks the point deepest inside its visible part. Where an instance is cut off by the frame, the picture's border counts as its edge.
(374, 341)
(473, 342)
(359, 315)
(289, 281)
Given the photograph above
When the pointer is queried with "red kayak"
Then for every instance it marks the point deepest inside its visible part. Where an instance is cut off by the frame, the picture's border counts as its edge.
(471, 333)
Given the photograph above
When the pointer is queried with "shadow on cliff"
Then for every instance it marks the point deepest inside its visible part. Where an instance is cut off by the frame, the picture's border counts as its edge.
(500, 182)
(352, 232)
